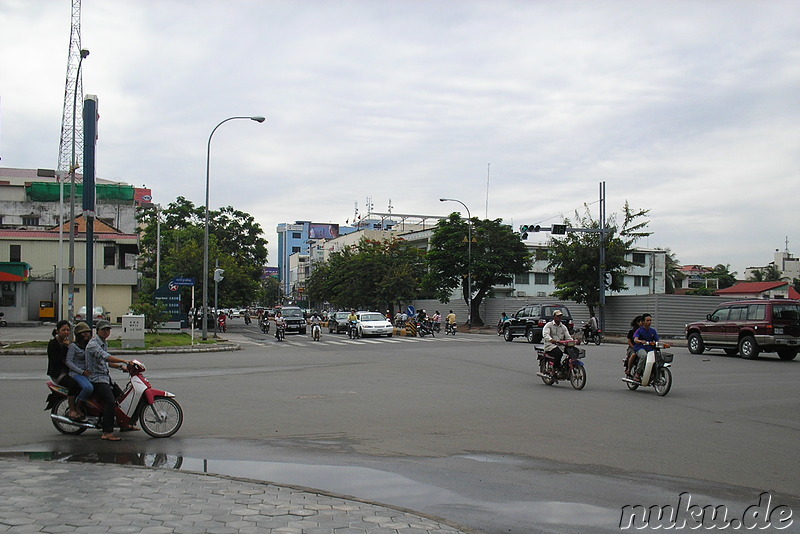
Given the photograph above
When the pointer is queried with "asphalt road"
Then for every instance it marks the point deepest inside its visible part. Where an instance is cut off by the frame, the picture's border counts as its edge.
(461, 427)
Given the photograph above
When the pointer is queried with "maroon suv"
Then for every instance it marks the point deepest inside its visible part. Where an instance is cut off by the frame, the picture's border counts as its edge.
(749, 327)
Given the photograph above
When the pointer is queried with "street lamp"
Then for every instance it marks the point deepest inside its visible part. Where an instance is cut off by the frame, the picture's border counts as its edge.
(204, 319)
(72, 167)
(469, 256)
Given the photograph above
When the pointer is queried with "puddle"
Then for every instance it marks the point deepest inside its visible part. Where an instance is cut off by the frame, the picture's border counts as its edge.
(369, 484)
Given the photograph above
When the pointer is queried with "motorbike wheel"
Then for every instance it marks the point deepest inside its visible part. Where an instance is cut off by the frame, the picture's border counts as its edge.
(62, 408)
(663, 383)
(162, 418)
(577, 377)
(548, 380)
(632, 387)
(597, 339)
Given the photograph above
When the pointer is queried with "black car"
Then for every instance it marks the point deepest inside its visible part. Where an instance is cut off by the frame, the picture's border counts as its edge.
(295, 321)
(337, 322)
(530, 320)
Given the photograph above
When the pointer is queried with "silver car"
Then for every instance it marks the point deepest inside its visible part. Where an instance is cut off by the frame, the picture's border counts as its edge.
(374, 324)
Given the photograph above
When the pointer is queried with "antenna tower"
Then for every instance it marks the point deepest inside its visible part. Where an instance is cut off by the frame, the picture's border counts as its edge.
(72, 125)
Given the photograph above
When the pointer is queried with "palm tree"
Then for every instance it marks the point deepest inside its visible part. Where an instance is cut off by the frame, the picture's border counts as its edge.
(673, 271)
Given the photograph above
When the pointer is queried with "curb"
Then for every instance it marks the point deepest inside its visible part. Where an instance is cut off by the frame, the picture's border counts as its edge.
(221, 347)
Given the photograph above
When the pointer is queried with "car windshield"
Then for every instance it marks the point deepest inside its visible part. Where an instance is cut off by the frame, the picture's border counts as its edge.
(292, 313)
(342, 316)
(372, 317)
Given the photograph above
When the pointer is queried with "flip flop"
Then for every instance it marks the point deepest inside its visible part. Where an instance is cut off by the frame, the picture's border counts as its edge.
(111, 438)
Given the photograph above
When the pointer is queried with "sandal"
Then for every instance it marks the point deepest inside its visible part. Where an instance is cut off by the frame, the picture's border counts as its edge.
(110, 437)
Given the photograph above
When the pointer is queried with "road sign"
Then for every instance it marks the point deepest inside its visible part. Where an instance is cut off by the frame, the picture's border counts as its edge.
(182, 281)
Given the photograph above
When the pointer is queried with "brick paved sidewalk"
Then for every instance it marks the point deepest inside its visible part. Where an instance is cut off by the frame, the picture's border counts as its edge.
(55, 497)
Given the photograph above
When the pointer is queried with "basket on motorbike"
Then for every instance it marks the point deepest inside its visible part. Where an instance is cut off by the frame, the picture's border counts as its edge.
(666, 357)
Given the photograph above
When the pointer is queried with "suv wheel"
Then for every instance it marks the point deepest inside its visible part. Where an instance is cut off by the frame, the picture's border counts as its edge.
(507, 334)
(787, 354)
(748, 348)
(696, 345)
(529, 335)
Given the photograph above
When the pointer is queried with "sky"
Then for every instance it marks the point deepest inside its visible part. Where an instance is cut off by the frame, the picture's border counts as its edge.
(519, 109)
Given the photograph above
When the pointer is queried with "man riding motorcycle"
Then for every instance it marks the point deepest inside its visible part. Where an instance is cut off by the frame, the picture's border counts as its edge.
(554, 331)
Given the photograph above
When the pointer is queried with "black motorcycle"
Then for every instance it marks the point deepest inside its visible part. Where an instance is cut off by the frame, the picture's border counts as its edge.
(280, 332)
(263, 324)
(590, 335)
(352, 330)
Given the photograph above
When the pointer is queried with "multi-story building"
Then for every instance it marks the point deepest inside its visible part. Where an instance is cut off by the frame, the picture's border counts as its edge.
(34, 229)
(787, 265)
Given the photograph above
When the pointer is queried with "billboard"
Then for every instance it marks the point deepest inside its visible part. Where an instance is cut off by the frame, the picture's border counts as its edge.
(323, 231)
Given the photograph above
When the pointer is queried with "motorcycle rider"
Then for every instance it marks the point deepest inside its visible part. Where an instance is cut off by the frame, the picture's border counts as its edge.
(352, 319)
(553, 331)
(280, 322)
(57, 368)
(590, 328)
(451, 320)
(97, 363)
(315, 321)
(630, 353)
(642, 338)
(76, 361)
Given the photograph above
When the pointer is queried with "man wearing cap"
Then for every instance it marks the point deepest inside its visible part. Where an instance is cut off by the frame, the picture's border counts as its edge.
(97, 363)
(555, 331)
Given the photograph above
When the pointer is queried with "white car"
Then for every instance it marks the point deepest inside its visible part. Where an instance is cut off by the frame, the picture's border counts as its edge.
(374, 324)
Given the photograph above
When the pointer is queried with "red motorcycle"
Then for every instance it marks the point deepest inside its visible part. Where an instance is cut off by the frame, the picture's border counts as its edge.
(157, 411)
(222, 323)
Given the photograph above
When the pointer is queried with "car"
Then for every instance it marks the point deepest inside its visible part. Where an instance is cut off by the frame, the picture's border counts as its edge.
(337, 322)
(749, 327)
(373, 324)
(529, 321)
(99, 314)
(295, 322)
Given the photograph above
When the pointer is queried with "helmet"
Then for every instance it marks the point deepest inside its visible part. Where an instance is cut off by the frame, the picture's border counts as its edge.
(81, 328)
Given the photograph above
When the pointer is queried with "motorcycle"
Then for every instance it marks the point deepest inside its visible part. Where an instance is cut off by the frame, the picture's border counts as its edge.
(316, 331)
(280, 332)
(450, 328)
(263, 324)
(656, 370)
(3, 319)
(247, 319)
(591, 335)
(352, 330)
(571, 367)
(424, 328)
(157, 411)
(222, 323)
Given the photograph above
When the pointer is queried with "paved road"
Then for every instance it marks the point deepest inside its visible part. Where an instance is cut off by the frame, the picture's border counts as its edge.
(462, 428)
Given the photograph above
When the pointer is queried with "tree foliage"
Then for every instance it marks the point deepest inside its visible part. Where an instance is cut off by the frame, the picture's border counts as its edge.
(575, 258)
(234, 241)
(372, 274)
(495, 256)
(673, 272)
(725, 278)
(770, 273)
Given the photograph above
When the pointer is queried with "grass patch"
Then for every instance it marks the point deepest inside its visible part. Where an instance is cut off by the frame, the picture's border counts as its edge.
(151, 340)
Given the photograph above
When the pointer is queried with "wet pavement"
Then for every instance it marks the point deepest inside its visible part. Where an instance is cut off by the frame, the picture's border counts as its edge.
(39, 496)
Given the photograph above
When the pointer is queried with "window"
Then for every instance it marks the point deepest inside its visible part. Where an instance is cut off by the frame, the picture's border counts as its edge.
(109, 255)
(8, 294)
(720, 315)
(738, 314)
(30, 220)
(523, 278)
(639, 258)
(297, 235)
(541, 279)
(15, 253)
(641, 281)
(295, 249)
(756, 312)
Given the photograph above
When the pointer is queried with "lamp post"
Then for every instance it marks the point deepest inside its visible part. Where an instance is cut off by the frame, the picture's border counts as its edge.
(469, 256)
(205, 237)
(72, 167)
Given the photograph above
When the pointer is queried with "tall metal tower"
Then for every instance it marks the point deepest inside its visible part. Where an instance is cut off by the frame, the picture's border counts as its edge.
(70, 149)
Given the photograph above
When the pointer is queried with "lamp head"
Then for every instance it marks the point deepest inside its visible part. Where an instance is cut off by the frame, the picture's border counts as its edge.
(84, 53)
(258, 119)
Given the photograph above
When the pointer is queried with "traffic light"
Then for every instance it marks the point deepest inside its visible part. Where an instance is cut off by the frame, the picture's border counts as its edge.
(218, 275)
(525, 228)
(559, 229)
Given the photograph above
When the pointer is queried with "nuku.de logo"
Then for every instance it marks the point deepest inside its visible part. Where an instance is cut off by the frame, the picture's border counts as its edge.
(692, 516)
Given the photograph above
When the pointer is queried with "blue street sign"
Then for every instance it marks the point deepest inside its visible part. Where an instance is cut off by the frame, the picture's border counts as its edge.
(182, 281)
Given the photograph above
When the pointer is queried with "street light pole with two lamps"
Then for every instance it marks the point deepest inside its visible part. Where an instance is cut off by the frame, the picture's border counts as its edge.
(204, 319)
(469, 256)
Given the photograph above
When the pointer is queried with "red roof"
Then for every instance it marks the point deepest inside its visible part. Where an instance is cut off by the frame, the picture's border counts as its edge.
(756, 288)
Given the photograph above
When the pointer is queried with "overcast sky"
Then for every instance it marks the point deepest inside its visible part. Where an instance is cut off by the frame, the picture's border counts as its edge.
(690, 109)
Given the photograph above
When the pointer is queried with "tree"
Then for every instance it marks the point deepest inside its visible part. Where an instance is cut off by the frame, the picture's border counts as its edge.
(770, 273)
(673, 271)
(496, 255)
(234, 240)
(369, 275)
(575, 258)
(725, 278)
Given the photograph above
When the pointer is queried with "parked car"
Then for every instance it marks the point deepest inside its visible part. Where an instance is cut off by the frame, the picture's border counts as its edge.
(749, 327)
(530, 320)
(295, 322)
(99, 313)
(373, 324)
(337, 322)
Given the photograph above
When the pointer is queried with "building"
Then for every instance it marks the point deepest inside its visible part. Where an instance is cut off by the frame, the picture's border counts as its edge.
(759, 290)
(695, 277)
(787, 265)
(34, 229)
